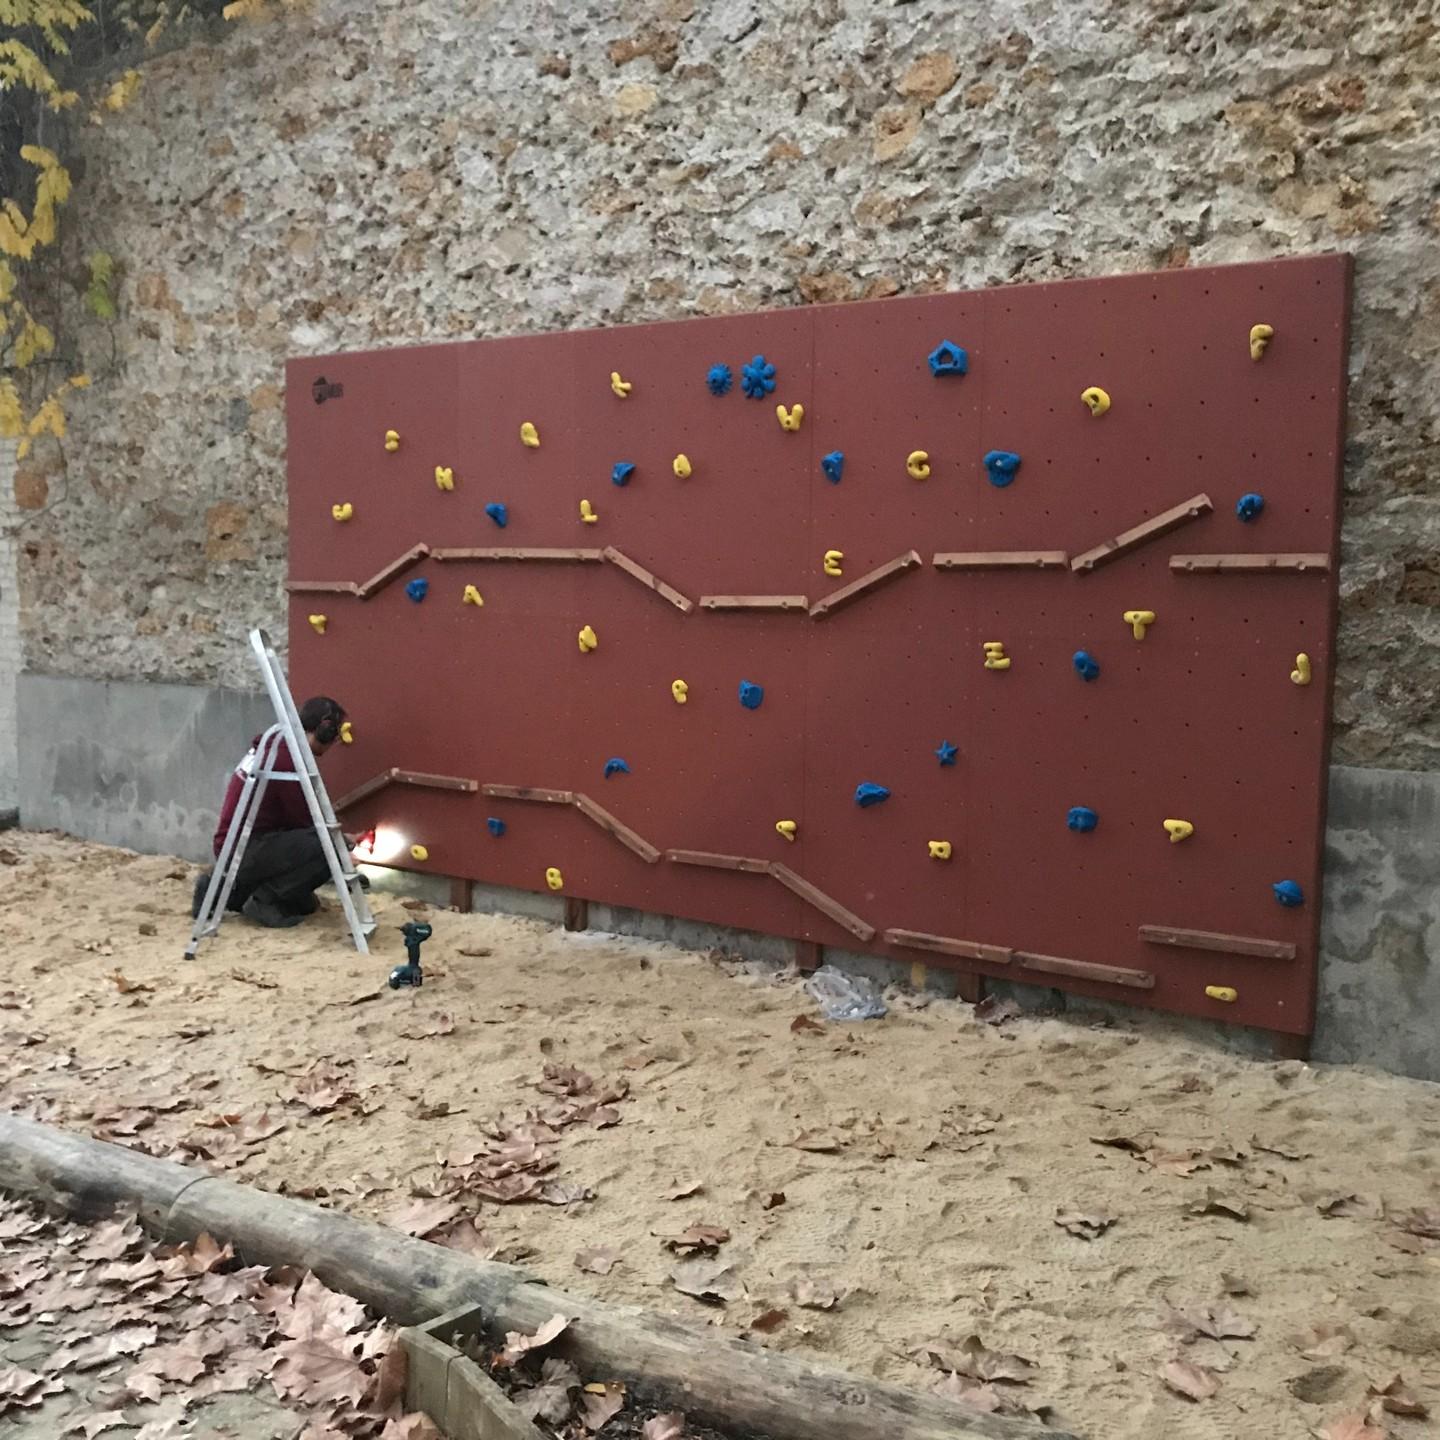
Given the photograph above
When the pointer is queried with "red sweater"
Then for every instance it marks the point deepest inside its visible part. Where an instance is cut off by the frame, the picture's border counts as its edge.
(282, 807)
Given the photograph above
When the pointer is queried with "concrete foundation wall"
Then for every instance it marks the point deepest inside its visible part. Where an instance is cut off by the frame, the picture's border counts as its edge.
(144, 765)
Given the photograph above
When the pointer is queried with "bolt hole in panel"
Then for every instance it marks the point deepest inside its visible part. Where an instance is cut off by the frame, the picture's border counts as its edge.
(1198, 720)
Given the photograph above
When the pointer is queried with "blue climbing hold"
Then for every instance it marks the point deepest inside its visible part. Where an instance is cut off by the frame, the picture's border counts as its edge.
(751, 695)
(496, 826)
(498, 513)
(719, 379)
(1288, 893)
(1001, 465)
(867, 795)
(947, 358)
(1087, 667)
(833, 465)
(616, 766)
(947, 752)
(1249, 506)
(417, 589)
(1082, 817)
(757, 379)
(621, 472)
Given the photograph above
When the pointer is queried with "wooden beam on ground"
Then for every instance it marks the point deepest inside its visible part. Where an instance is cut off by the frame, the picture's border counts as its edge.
(716, 1380)
(648, 579)
(522, 552)
(809, 956)
(1142, 534)
(1085, 970)
(1294, 564)
(629, 838)
(396, 568)
(753, 602)
(1212, 940)
(529, 792)
(577, 913)
(1000, 560)
(872, 580)
(946, 945)
(462, 894)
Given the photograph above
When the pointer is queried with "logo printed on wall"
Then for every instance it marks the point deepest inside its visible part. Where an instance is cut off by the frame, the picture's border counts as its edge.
(323, 390)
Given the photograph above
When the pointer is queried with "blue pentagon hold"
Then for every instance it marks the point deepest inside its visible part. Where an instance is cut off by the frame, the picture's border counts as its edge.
(947, 358)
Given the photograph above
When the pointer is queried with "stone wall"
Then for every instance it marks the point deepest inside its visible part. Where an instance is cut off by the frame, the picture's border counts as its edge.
(387, 171)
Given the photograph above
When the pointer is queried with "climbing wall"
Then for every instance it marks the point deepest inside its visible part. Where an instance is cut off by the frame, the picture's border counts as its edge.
(1073, 655)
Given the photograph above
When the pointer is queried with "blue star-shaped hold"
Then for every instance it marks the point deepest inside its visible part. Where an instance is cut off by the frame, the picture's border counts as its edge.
(1087, 667)
(719, 379)
(621, 471)
(947, 358)
(496, 826)
(751, 695)
(1288, 893)
(417, 589)
(757, 379)
(867, 795)
(1081, 817)
(833, 466)
(616, 766)
(498, 513)
(1001, 466)
(947, 752)
(1249, 506)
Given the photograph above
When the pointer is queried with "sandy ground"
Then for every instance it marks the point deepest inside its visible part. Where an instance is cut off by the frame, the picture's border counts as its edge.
(932, 1215)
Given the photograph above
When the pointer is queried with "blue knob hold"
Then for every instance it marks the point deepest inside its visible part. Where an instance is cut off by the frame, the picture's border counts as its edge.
(616, 766)
(495, 826)
(1001, 465)
(757, 379)
(621, 472)
(1087, 667)
(751, 695)
(498, 513)
(1082, 817)
(833, 466)
(417, 589)
(867, 795)
(947, 752)
(947, 358)
(719, 379)
(1249, 506)
(1288, 893)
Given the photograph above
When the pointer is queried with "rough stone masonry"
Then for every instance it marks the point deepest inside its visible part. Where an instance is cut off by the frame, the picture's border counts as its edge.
(384, 171)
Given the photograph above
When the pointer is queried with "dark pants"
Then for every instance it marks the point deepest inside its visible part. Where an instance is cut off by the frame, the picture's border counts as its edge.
(281, 868)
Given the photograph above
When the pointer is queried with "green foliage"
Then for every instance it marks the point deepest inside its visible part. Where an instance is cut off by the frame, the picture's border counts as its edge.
(100, 296)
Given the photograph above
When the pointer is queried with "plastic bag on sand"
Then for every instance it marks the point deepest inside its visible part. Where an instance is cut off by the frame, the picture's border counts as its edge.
(844, 997)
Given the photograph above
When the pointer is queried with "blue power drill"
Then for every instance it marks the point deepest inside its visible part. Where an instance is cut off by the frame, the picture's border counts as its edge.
(410, 973)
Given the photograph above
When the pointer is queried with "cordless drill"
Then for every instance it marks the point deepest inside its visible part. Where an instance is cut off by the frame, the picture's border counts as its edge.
(410, 973)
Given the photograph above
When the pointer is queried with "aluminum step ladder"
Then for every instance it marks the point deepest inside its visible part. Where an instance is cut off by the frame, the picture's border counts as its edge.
(260, 771)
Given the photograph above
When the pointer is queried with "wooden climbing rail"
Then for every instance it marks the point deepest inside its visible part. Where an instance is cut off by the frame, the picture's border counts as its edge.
(712, 861)
(395, 776)
(1000, 560)
(322, 587)
(946, 945)
(753, 602)
(523, 552)
(872, 580)
(825, 904)
(1257, 564)
(649, 579)
(1213, 940)
(529, 792)
(629, 838)
(396, 568)
(1085, 970)
(1142, 534)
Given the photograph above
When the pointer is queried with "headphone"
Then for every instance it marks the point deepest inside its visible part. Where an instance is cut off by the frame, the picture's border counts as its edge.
(328, 730)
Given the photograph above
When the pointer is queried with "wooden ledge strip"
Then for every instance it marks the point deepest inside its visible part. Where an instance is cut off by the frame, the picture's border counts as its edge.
(649, 579)
(397, 567)
(434, 782)
(529, 792)
(1147, 530)
(1210, 940)
(623, 833)
(1249, 564)
(944, 945)
(882, 574)
(1084, 970)
(520, 552)
(365, 791)
(753, 602)
(718, 862)
(1000, 560)
(322, 587)
(822, 902)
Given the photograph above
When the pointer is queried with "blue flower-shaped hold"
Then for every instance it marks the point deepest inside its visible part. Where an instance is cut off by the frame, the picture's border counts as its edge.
(719, 379)
(867, 795)
(1001, 466)
(757, 379)
(1249, 506)
(1288, 893)
(1081, 817)
(417, 589)
(947, 752)
(947, 358)
(495, 826)
(498, 513)
(833, 466)
(751, 695)
(621, 471)
(616, 766)
(1087, 667)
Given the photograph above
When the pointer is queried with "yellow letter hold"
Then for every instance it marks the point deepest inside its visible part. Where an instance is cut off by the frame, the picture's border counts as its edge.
(342, 512)
(995, 656)
(786, 828)
(620, 387)
(419, 852)
(1227, 993)
(587, 513)
(1096, 399)
(939, 849)
(1178, 830)
(347, 733)
(1139, 621)
(1260, 336)
(790, 419)
(529, 436)
(1300, 675)
(444, 477)
(472, 596)
(832, 562)
(554, 879)
(392, 440)
(917, 464)
(681, 466)
(588, 639)
(318, 623)
(680, 690)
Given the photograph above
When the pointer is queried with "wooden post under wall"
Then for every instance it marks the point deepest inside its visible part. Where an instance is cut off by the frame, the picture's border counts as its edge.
(730, 1383)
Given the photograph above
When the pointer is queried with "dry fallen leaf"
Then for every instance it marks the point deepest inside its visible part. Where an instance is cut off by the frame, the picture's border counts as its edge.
(1135, 1144)
(803, 1024)
(812, 1293)
(683, 1189)
(1194, 1382)
(549, 1399)
(710, 1280)
(1235, 1284)
(408, 1427)
(664, 1427)
(518, 1345)
(598, 1261)
(1351, 1427)
(1217, 1202)
(1217, 1322)
(422, 1217)
(819, 1142)
(697, 1240)
(1396, 1397)
(598, 1406)
(1425, 1223)
(1348, 1207)
(769, 1320)
(390, 1379)
(774, 1199)
(1086, 1227)
(1283, 1151)
(974, 1360)
(1323, 1342)
(128, 987)
(249, 977)
(424, 1028)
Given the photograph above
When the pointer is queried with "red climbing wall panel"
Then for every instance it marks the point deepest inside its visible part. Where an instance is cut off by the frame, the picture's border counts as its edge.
(1198, 721)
